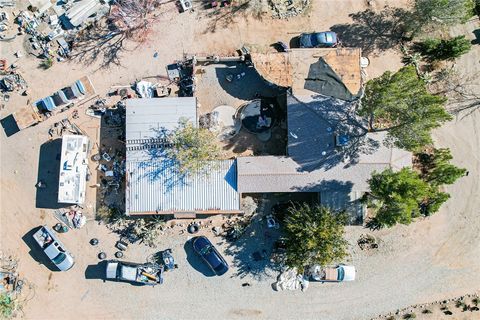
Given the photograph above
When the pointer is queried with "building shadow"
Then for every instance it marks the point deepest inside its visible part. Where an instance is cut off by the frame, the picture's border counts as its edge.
(36, 252)
(48, 175)
(246, 83)
(9, 125)
(196, 261)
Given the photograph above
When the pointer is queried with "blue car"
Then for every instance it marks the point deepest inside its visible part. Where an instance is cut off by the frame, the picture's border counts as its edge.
(210, 255)
(327, 39)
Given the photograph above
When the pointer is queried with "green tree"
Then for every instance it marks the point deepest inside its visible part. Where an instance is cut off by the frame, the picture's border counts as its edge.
(400, 104)
(440, 49)
(401, 196)
(193, 148)
(437, 169)
(447, 12)
(314, 235)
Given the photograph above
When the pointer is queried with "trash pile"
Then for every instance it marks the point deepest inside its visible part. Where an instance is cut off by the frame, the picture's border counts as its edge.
(113, 170)
(290, 279)
(65, 126)
(51, 25)
(367, 242)
(74, 219)
(283, 9)
(181, 73)
(12, 82)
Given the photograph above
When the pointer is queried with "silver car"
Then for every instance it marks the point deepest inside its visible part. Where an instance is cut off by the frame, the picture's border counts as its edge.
(53, 248)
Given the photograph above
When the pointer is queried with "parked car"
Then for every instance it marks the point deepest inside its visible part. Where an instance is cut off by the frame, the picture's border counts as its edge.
(210, 255)
(53, 248)
(149, 274)
(326, 39)
(336, 274)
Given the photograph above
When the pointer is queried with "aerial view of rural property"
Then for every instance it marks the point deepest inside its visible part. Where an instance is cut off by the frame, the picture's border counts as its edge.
(240, 159)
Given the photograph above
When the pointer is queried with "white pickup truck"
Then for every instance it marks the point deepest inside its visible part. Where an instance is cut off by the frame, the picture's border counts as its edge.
(53, 248)
(329, 274)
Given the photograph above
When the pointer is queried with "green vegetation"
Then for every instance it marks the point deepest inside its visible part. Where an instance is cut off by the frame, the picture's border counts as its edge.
(46, 63)
(313, 235)
(8, 306)
(436, 168)
(449, 49)
(400, 104)
(193, 148)
(399, 197)
(447, 12)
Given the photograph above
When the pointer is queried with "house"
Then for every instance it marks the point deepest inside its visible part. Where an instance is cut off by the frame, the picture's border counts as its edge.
(154, 185)
(73, 169)
(329, 150)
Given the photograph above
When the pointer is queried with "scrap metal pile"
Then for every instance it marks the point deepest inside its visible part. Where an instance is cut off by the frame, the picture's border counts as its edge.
(283, 9)
(12, 82)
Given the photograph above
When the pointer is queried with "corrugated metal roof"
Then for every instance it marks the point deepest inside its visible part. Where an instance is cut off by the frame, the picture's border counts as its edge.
(157, 185)
(147, 118)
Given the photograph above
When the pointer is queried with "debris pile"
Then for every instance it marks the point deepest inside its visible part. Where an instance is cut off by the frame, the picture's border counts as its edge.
(367, 242)
(12, 82)
(283, 9)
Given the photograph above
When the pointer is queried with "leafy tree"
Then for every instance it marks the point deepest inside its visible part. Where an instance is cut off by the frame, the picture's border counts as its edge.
(449, 49)
(400, 104)
(401, 196)
(193, 148)
(437, 169)
(444, 11)
(314, 235)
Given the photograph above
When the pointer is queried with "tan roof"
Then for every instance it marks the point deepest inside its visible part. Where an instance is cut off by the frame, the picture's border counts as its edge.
(26, 117)
(274, 67)
(291, 69)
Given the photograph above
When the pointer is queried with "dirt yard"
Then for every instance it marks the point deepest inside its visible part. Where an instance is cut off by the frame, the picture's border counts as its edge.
(432, 259)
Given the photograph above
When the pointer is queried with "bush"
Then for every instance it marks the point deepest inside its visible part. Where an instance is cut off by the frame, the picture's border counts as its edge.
(439, 49)
(8, 306)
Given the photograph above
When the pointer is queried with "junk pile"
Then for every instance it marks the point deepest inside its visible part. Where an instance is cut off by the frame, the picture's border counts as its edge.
(65, 126)
(74, 219)
(11, 82)
(290, 280)
(284, 9)
(181, 73)
(367, 242)
(51, 24)
(113, 170)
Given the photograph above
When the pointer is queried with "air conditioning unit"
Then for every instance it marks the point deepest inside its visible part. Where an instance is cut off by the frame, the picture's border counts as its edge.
(186, 5)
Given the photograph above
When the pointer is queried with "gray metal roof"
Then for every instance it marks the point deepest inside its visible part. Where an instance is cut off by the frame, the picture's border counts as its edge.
(157, 186)
(147, 118)
(283, 174)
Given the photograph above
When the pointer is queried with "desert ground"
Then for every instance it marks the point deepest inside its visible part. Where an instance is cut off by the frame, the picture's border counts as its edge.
(432, 259)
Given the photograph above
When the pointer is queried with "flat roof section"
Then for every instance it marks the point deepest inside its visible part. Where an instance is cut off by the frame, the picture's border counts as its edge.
(147, 118)
(73, 169)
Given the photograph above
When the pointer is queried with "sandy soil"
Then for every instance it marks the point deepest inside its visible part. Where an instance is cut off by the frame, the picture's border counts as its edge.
(428, 260)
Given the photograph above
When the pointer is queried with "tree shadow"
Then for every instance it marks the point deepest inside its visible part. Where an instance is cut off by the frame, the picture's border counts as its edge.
(36, 252)
(224, 16)
(319, 123)
(196, 261)
(374, 31)
(48, 175)
(98, 42)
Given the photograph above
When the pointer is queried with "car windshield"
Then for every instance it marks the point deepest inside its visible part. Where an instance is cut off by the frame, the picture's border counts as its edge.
(341, 274)
(59, 258)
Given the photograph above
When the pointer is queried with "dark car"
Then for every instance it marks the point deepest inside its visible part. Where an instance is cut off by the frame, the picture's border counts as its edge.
(210, 255)
(327, 39)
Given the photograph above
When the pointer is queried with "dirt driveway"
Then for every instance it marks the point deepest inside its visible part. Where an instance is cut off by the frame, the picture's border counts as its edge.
(428, 260)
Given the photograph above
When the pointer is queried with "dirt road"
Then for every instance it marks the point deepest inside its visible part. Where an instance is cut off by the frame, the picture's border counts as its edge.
(428, 260)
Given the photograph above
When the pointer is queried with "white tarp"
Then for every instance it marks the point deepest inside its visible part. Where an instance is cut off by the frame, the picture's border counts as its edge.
(291, 280)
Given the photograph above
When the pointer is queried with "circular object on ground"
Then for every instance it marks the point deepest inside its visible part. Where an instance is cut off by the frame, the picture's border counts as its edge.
(97, 157)
(228, 123)
(94, 241)
(118, 254)
(102, 255)
(364, 62)
(58, 227)
(193, 228)
(264, 136)
(257, 115)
